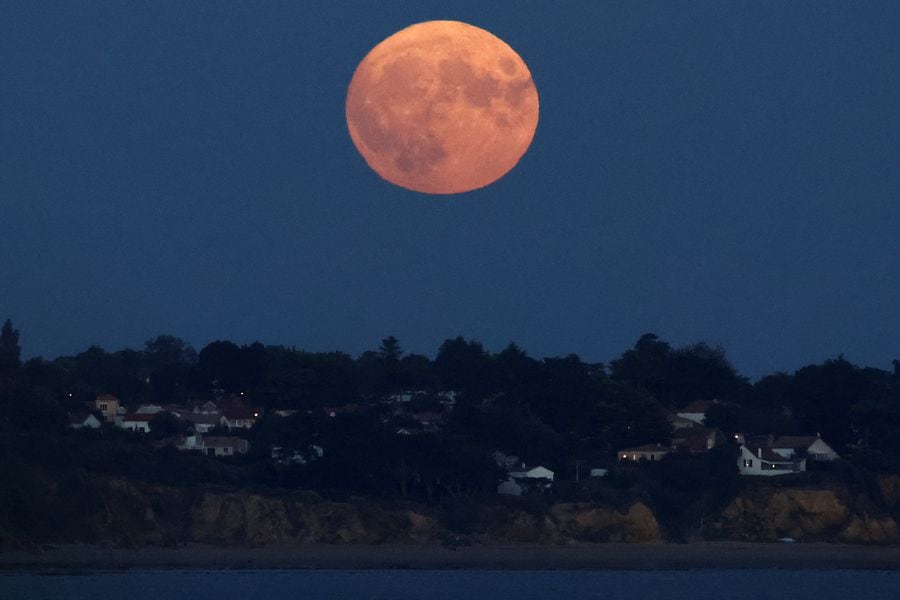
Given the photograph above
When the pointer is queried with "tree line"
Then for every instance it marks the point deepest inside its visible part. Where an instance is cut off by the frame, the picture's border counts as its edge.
(560, 411)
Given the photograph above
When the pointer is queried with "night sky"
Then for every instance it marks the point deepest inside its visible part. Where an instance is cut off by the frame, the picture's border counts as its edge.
(704, 170)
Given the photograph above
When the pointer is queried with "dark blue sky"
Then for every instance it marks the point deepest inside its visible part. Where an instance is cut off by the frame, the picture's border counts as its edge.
(705, 170)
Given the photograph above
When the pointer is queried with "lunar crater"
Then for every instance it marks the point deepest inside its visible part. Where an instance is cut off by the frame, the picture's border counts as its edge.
(442, 107)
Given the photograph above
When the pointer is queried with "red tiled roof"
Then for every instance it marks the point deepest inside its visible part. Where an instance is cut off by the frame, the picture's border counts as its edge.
(795, 441)
(202, 419)
(697, 406)
(237, 412)
(139, 417)
(647, 448)
(767, 454)
(222, 441)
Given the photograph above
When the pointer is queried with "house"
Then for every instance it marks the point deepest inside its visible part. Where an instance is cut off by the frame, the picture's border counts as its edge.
(679, 422)
(207, 408)
(203, 423)
(213, 445)
(766, 462)
(525, 479)
(149, 409)
(108, 405)
(179, 410)
(300, 457)
(695, 411)
(136, 422)
(696, 439)
(538, 472)
(650, 452)
(224, 445)
(239, 417)
(813, 446)
(83, 420)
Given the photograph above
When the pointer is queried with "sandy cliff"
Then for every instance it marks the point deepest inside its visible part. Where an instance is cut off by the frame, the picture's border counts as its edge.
(835, 514)
(128, 513)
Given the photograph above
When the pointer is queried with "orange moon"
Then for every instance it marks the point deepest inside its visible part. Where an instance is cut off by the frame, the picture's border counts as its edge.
(442, 107)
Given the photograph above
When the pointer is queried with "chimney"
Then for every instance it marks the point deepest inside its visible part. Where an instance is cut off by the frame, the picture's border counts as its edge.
(759, 453)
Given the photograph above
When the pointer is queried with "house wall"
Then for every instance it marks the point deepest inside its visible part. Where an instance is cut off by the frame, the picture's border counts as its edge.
(750, 464)
(643, 455)
(819, 450)
(108, 407)
(692, 416)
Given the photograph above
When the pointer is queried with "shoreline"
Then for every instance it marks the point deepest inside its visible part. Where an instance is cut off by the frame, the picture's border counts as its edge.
(82, 558)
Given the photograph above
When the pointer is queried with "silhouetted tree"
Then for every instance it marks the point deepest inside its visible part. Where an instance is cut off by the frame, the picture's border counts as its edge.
(462, 365)
(9, 348)
(390, 350)
(173, 368)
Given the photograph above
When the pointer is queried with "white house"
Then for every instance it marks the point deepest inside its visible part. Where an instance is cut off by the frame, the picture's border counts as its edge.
(239, 418)
(646, 452)
(695, 411)
(203, 423)
(136, 422)
(83, 421)
(815, 447)
(766, 462)
(224, 445)
(213, 445)
(533, 473)
(521, 480)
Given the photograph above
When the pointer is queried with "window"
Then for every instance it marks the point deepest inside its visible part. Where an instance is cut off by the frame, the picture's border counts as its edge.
(748, 463)
(103, 408)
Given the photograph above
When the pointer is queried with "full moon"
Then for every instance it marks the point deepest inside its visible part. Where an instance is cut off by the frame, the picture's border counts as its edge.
(442, 107)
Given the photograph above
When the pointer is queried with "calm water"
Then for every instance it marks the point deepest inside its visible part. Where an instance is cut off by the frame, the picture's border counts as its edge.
(466, 585)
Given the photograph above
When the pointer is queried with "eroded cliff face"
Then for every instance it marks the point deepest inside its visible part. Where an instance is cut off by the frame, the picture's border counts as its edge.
(594, 523)
(129, 513)
(572, 522)
(770, 513)
(890, 491)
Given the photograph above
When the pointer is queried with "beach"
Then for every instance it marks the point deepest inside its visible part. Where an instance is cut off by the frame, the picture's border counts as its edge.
(705, 555)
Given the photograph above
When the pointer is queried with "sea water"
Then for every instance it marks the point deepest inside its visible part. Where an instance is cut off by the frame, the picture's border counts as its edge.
(748, 584)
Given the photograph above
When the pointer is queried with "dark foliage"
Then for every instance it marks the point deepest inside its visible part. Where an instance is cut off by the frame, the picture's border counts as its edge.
(561, 412)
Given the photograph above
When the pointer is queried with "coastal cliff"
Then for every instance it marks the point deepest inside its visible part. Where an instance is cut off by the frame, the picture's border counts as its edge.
(125, 513)
(768, 513)
(122, 512)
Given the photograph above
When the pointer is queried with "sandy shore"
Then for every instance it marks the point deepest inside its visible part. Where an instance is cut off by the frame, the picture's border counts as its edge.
(726, 555)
